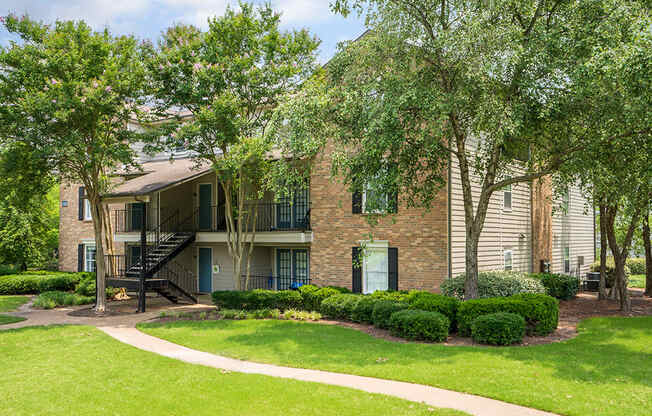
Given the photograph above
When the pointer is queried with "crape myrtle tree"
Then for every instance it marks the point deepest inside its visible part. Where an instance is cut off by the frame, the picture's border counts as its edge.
(225, 81)
(487, 86)
(68, 92)
(616, 167)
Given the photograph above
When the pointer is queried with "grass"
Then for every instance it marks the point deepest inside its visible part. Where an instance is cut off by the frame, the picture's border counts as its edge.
(8, 304)
(77, 370)
(637, 280)
(606, 370)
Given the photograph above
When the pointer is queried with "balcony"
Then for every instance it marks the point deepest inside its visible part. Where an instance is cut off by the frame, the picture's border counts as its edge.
(271, 216)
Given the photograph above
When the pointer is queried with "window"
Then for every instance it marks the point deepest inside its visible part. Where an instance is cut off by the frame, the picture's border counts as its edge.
(87, 210)
(89, 258)
(373, 199)
(507, 197)
(565, 201)
(375, 268)
(567, 265)
(507, 255)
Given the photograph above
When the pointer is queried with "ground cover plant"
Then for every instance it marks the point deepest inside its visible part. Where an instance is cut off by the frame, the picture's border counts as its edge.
(43, 365)
(571, 377)
(56, 298)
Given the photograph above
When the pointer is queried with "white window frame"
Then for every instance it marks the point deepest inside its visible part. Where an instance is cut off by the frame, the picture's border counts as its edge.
(564, 249)
(364, 203)
(89, 266)
(566, 202)
(511, 260)
(508, 189)
(88, 216)
(373, 247)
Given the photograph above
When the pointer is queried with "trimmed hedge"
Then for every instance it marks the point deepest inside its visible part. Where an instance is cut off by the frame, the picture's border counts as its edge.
(23, 284)
(559, 286)
(610, 270)
(500, 328)
(636, 265)
(364, 309)
(383, 311)
(257, 299)
(433, 302)
(494, 284)
(313, 296)
(541, 312)
(397, 296)
(340, 306)
(419, 325)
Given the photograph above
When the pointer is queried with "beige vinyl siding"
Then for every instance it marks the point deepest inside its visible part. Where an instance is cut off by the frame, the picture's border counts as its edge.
(575, 230)
(502, 229)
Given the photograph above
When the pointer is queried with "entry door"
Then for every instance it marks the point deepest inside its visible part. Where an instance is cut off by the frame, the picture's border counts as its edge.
(283, 214)
(301, 207)
(205, 269)
(299, 268)
(205, 202)
(284, 268)
(137, 211)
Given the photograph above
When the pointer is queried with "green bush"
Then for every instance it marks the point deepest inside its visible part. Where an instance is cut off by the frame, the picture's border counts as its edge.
(8, 269)
(257, 299)
(363, 310)
(52, 299)
(340, 306)
(500, 328)
(383, 311)
(559, 286)
(313, 296)
(610, 271)
(24, 283)
(541, 312)
(636, 265)
(340, 289)
(86, 286)
(493, 284)
(433, 302)
(397, 296)
(419, 325)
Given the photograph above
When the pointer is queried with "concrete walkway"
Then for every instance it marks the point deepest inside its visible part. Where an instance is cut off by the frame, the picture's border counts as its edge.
(433, 396)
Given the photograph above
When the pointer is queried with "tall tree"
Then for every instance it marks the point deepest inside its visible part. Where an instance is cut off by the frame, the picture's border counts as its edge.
(227, 79)
(487, 86)
(647, 243)
(69, 92)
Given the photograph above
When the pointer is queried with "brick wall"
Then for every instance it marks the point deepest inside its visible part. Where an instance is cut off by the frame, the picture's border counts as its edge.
(421, 238)
(73, 231)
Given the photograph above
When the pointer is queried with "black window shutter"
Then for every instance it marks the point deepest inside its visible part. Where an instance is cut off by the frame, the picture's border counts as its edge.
(393, 203)
(392, 267)
(357, 270)
(82, 193)
(80, 258)
(357, 203)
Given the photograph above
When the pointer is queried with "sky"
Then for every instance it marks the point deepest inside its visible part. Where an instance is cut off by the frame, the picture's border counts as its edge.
(146, 19)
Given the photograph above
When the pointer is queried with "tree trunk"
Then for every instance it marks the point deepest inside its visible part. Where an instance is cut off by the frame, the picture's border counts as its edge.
(602, 291)
(471, 262)
(648, 255)
(251, 242)
(98, 228)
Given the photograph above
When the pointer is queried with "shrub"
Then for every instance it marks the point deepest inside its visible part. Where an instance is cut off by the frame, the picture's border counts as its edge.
(559, 286)
(257, 299)
(339, 306)
(340, 289)
(8, 269)
(22, 284)
(433, 302)
(86, 286)
(52, 299)
(541, 312)
(636, 265)
(383, 311)
(500, 328)
(363, 310)
(397, 296)
(610, 270)
(419, 325)
(313, 296)
(494, 284)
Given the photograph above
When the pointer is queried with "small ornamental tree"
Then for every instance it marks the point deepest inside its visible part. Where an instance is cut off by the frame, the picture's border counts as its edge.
(226, 80)
(487, 86)
(69, 92)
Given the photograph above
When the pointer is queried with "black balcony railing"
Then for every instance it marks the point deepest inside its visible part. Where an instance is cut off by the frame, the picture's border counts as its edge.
(131, 220)
(269, 282)
(270, 216)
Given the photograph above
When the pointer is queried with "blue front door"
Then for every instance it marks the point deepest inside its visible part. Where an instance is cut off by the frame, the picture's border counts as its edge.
(205, 202)
(205, 270)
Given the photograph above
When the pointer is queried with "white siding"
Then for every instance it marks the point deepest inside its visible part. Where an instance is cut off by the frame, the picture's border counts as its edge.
(503, 229)
(575, 230)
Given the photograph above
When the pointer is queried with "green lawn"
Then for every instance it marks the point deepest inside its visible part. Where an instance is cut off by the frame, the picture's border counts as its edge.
(637, 280)
(9, 303)
(76, 370)
(606, 370)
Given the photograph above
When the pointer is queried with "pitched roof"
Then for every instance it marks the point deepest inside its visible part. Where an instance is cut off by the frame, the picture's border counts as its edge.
(159, 175)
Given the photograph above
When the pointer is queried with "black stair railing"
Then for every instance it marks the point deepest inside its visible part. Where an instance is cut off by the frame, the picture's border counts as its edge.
(181, 280)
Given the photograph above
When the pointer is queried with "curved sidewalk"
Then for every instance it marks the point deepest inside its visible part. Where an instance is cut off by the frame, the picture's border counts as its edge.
(433, 396)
